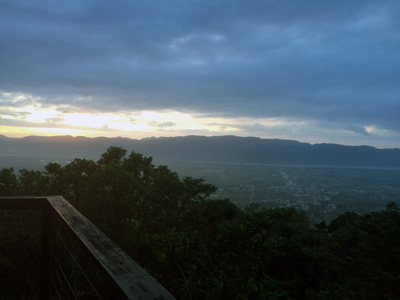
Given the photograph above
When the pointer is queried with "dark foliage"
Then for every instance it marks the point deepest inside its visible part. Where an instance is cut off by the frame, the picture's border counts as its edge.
(200, 248)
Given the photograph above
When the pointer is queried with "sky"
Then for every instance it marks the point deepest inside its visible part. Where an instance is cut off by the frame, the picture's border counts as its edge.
(313, 70)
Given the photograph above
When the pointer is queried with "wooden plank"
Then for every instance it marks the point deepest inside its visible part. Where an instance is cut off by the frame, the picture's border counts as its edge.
(132, 279)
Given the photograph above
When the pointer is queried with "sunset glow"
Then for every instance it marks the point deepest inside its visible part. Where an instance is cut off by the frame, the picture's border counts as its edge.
(35, 120)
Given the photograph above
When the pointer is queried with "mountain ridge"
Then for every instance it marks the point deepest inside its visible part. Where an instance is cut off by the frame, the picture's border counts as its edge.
(226, 149)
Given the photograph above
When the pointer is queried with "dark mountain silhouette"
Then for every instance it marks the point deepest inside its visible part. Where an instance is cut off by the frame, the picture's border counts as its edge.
(223, 149)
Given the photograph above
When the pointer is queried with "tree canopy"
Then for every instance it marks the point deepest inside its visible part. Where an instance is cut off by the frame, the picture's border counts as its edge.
(204, 248)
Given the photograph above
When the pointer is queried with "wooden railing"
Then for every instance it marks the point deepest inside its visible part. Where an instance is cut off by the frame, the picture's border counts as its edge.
(131, 280)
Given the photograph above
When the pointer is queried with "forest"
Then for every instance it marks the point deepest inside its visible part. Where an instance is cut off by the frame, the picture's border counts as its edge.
(199, 247)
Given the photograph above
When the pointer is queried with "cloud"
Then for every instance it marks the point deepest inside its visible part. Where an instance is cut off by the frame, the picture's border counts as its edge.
(55, 120)
(166, 124)
(313, 61)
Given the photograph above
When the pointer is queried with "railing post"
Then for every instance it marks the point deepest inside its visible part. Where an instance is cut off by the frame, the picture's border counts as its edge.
(48, 234)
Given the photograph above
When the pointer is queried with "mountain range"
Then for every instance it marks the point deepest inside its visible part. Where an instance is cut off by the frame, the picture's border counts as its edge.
(221, 149)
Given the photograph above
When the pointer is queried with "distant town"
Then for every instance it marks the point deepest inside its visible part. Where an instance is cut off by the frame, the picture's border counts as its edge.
(322, 192)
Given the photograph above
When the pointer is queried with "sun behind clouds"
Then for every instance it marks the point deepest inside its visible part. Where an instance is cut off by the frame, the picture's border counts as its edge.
(37, 120)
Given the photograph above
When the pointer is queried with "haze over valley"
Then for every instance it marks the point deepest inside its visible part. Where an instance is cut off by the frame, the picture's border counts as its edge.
(323, 180)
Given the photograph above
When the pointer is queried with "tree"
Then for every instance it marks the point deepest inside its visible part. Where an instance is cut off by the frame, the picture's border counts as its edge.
(80, 175)
(54, 175)
(31, 182)
(8, 182)
(113, 155)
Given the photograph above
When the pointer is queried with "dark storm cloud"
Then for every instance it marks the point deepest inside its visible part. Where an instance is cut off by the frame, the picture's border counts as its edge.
(326, 61)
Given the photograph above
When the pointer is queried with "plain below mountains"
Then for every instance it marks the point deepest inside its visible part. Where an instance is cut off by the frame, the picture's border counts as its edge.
(221, 149)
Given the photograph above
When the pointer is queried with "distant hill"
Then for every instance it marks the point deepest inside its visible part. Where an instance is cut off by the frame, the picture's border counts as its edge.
(223, 149)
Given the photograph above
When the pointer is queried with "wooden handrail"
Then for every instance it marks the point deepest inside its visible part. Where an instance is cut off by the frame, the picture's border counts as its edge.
(133, 281)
